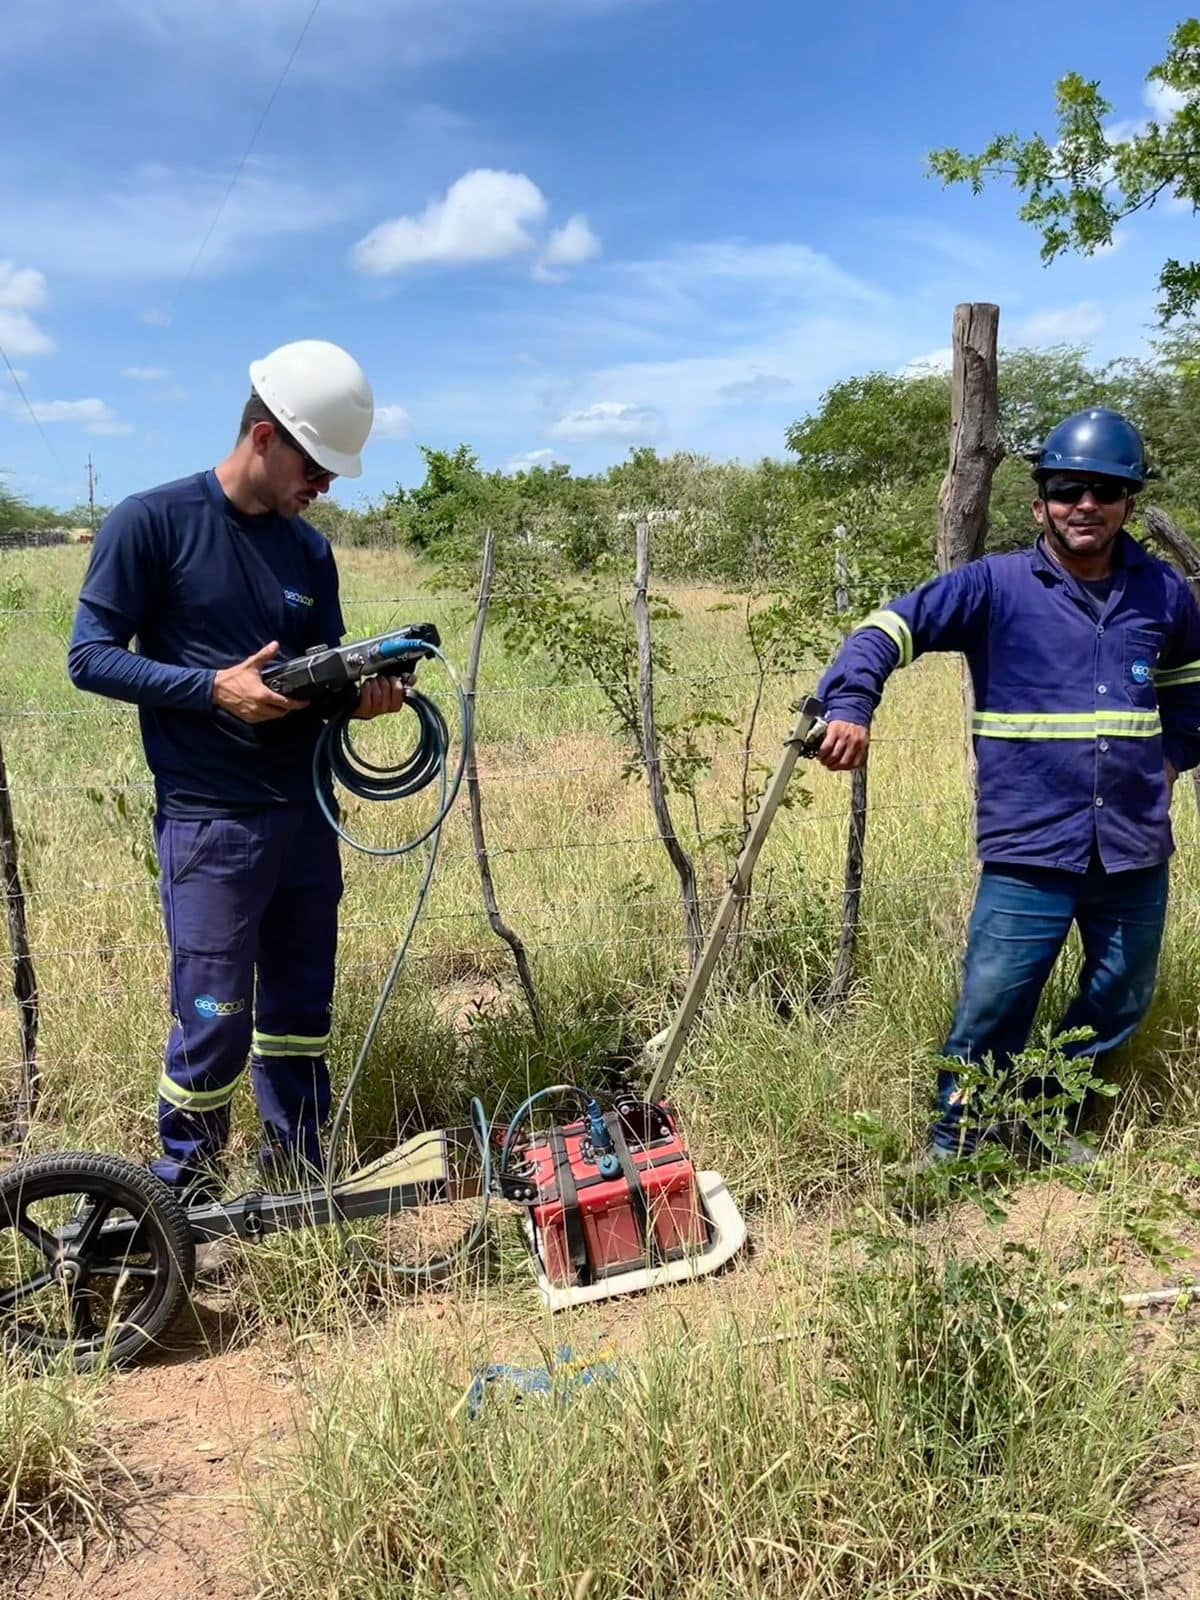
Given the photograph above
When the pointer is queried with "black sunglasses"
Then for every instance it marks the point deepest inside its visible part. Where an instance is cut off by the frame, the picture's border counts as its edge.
(313, 470)
(1070, 491)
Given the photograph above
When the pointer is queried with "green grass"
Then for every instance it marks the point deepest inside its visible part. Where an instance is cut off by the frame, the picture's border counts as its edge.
(56, 1476)
(923, 1428)
(832, 1463)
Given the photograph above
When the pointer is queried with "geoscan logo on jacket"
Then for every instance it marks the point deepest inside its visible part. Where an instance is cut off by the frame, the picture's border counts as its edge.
(1079, 702)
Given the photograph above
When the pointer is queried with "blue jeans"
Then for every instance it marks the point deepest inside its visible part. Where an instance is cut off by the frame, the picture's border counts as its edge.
(1020, 922)
(250, 905)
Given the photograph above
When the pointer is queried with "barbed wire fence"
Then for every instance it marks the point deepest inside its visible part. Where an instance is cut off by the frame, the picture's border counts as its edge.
(604, 924)
(607, 925)
(109, 966)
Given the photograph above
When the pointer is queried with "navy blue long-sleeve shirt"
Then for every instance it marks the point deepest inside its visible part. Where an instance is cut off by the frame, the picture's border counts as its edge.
(199, 586)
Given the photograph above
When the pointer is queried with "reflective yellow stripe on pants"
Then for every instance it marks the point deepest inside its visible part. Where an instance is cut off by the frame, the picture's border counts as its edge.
(274, 1045)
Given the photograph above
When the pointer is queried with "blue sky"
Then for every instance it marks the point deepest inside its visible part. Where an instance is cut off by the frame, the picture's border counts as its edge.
(551, 228)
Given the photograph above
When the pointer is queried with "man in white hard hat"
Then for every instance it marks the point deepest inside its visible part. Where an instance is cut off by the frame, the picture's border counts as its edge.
(214, 575)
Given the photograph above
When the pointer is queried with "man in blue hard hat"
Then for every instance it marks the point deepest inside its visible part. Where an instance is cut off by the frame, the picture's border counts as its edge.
(1084, 653)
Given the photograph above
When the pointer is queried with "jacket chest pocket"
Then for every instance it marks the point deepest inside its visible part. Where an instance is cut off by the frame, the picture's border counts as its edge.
(1140, 656)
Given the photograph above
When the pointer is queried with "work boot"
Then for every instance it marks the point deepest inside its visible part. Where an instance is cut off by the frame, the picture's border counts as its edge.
(1067, 1151)
(935, 1158)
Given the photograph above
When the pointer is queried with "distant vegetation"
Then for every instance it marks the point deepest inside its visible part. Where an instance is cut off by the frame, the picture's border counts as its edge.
(870, 457)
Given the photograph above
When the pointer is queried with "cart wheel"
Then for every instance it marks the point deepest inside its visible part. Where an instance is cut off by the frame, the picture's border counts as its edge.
(96, 1257)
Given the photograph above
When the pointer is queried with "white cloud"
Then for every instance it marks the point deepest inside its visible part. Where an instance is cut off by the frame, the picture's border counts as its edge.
(940, 360)
(1118, 132)
(484, 216)
(92, 415)
(22, 290)
(155, 317)
(391, 422)
(150, 222)
(21, 336)
(572, 244)
(348, 40)
(531, 459)
(783, 271)
(762, 386)
(712, 328)
(146, 374)
(568, 246)
(924, 236)
(1163, 101)
(1068, 325)
(608, 419)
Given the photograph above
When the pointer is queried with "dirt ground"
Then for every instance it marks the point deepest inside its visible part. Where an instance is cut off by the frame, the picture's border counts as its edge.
(197, 1424)
(185, 1428)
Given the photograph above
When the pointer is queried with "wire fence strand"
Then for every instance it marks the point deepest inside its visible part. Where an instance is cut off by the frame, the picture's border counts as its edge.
(560, 907)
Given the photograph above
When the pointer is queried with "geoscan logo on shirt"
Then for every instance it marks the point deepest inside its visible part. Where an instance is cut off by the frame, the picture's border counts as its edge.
(295, 598)
(1139, 671)
(208, 1006)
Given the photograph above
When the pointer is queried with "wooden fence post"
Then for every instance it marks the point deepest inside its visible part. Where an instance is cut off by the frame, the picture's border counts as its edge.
(498, 925)
(680, 859)
(976, 451)
(843, 972)
(975, 446)
(23, 974)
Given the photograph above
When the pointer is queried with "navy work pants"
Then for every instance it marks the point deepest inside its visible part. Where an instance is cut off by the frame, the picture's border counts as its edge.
(250, 905)
(1020, 922)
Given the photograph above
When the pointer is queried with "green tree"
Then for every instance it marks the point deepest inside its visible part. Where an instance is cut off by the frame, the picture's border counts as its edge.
(1038, 388)
(1079, 186)
(351, 527)
(1163, 397)
(873, 454)
(455, 501)
(571, 515)
(879, 430)
(17, 515)
(80, 515)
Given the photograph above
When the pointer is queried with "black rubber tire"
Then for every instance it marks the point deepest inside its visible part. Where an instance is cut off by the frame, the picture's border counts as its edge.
(163, 1233)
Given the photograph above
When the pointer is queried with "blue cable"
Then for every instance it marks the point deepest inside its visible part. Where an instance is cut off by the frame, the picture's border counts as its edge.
(527, 1106)
(336, 758)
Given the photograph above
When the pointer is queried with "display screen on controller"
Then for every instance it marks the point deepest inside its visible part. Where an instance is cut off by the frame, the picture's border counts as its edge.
(324, 670)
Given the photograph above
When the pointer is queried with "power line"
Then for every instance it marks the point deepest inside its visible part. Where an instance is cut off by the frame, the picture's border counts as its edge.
(246, 154)
(33, 416)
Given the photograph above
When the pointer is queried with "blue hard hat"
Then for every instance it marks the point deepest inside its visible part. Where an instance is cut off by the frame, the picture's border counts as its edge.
(1098, 440)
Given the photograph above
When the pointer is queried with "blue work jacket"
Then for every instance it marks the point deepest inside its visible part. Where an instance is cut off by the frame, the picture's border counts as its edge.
(1079, 702)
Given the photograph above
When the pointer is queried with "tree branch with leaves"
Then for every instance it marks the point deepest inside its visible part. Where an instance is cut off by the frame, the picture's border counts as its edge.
(1080, 187)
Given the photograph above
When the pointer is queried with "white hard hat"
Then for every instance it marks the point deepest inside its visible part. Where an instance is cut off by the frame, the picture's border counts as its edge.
(321, 396)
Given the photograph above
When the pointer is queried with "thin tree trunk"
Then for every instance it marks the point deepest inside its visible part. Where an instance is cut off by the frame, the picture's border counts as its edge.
(976, 451)
(498, 924)
(742, 914)
(1176, 543)
(680, 859)
(843, 971)
(23, 974)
